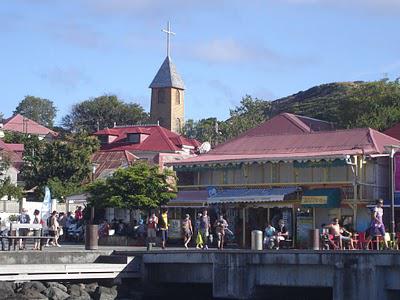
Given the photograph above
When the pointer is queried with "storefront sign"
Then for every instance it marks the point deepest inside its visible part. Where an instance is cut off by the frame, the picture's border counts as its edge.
(319, 200)
(175, 229)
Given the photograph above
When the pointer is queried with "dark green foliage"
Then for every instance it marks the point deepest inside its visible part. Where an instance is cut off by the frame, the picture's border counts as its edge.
(62, 165)
(347, 104)
(321, 102)
(138, 186)
(101, 112)
(250, 113)
(372, 104)
(37, 109)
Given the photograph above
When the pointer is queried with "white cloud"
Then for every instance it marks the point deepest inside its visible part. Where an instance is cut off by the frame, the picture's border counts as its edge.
(69, 78)
(374, 6)
(230, 51)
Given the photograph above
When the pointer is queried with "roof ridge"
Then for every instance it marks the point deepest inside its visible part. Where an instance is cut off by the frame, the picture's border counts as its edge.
(297, 122)
(166, 138)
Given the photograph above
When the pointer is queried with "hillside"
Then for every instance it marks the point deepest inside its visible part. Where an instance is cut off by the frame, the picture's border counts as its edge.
(320, 101)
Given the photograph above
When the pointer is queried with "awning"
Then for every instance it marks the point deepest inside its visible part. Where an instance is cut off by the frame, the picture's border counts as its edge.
(189, 199)
(250, 195)
(327, 198)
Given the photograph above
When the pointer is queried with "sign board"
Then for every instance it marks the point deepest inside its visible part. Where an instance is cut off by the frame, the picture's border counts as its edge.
(175, 229)
(320, 200)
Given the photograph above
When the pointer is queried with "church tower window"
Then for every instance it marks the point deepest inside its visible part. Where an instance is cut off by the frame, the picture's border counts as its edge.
(161, 95)
(177, 97)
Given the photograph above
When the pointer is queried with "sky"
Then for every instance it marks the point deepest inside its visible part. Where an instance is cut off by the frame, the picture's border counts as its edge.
(70, 51)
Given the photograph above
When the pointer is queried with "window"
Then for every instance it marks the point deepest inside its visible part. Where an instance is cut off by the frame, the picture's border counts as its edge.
(161, 95)
(103, 139)
(177, 97)
(134, 138)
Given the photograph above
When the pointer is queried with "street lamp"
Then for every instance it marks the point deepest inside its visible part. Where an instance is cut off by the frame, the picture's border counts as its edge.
(392, 149)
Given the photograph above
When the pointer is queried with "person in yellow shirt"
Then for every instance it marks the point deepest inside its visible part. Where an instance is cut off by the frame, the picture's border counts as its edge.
(163, 225)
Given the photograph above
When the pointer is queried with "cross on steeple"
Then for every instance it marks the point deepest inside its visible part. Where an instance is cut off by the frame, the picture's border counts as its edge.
(168, 32)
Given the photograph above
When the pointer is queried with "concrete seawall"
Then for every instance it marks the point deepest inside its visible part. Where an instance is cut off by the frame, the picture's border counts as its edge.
(239, 274)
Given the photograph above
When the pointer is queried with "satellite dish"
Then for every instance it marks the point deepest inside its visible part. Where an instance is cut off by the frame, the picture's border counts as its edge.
(205, 147)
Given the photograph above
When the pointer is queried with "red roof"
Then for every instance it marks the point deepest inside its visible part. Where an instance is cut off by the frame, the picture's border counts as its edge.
(286, 123)
(301, 145)
(157, 139)
(15, 157)
(393, 131)
(19, 123)
(107, 161)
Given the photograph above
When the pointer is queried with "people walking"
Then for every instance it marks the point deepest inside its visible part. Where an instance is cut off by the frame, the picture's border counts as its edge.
(36, 232)
(54, 229)
(187, 230)
(163, 225)
(377, 228)
(23, 218)
(205, 228)
(3, 233)
(152, 223)
(199, 239)
(220, 226)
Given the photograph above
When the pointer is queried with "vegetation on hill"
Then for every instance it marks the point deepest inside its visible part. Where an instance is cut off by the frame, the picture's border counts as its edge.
(347, 104)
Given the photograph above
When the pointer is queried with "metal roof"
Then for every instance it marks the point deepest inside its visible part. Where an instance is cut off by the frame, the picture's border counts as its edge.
(167, 76)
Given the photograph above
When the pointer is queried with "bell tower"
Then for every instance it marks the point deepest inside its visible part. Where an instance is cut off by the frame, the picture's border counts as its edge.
(167, 94)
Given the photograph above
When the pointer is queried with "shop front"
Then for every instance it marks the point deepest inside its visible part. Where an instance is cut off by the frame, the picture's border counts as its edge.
(318, 208)
(250, 209)
(186, 202)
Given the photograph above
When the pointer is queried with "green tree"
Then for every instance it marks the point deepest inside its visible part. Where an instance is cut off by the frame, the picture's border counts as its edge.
(249, 114)
(140, 186)
(104, 111)
(62, 165)
(372, 104)
(204, 130)
(37, 109)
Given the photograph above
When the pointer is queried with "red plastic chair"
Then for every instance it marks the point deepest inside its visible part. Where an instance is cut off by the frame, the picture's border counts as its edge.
(362, 240)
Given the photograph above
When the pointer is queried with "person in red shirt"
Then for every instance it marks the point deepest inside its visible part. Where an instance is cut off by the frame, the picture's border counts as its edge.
(78, 214)
(152, 223)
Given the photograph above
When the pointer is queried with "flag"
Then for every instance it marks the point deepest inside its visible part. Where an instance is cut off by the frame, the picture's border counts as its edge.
(46, 205)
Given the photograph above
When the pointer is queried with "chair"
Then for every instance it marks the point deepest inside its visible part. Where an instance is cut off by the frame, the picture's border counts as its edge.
(362, 241)
(377, 241)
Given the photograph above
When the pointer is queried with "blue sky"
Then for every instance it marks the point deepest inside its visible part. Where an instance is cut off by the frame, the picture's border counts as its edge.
(69, 51)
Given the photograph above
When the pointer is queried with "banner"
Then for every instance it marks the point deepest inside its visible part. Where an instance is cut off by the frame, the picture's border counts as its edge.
(45, 211)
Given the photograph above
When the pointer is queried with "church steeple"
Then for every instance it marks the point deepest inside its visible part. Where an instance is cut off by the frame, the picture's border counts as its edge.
(167, 94)
(167, 76)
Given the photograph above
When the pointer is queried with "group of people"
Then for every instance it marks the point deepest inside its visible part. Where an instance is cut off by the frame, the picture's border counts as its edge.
(274, 236)
(56, 226)
(155, 224)
(202, 230)
(337, 236)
